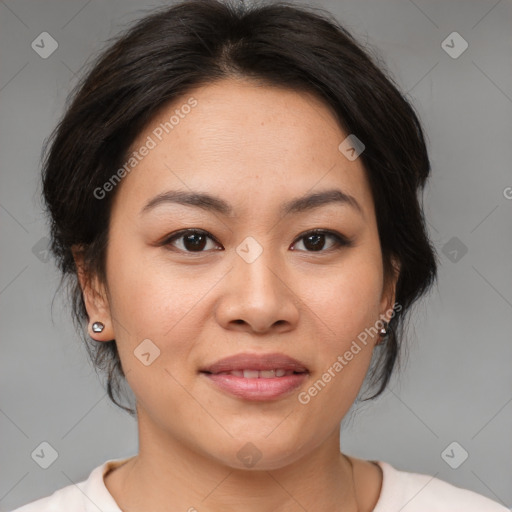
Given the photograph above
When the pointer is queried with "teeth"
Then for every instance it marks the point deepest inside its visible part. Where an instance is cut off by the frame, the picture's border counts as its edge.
(259, 374)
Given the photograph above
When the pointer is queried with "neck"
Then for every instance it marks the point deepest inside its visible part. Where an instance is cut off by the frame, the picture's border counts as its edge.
(179, 478)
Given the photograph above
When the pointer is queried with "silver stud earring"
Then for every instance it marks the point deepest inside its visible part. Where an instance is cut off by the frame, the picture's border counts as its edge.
(384, 330)
(97, 327)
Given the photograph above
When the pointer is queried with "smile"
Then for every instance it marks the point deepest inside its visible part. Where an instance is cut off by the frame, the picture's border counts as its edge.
(259, 374)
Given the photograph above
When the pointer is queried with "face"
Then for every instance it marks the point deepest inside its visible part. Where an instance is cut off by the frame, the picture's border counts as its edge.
(190, 284)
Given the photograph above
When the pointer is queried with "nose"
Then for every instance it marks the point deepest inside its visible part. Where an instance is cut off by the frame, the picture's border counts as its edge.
(257, 296)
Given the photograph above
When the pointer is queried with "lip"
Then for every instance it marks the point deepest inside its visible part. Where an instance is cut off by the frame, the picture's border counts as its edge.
(258, 389)
(247, 361)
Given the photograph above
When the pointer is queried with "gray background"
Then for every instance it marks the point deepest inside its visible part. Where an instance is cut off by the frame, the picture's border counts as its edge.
(457, 385)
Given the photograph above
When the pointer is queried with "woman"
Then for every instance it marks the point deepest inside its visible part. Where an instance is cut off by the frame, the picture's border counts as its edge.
(233, 198)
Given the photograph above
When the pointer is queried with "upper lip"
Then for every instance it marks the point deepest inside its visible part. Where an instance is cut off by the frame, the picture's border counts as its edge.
(259, 362)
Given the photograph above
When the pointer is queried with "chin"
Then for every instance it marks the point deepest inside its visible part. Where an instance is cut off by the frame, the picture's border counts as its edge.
(257, 453)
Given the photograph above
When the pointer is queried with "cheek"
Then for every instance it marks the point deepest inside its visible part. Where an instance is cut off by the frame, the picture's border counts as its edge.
(148, 295)
(347, 300)
(152, 301)
(155, 324)
(346, 308)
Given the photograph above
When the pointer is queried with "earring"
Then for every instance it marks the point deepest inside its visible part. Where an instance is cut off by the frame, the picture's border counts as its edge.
(98, 327)
(383, 333)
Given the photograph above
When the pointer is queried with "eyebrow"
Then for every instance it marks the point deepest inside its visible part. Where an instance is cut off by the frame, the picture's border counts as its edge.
(216, 204)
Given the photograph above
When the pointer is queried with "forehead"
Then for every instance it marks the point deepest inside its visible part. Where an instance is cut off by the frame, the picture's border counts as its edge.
(245, 142)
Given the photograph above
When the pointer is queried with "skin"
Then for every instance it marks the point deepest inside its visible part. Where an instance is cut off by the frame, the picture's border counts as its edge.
(255, 147)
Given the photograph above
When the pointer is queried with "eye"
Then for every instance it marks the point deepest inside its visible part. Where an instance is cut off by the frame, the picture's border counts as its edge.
(315, 240)
(196, 240)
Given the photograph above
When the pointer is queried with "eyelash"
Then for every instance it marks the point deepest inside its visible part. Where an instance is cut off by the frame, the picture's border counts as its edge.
(340, 240)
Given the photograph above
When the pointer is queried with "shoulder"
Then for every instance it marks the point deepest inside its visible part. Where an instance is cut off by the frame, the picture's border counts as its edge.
(417, 492)
(89, 495)
(61, 499)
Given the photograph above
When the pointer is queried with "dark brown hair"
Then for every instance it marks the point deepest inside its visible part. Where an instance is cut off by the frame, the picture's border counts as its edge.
(194, 43)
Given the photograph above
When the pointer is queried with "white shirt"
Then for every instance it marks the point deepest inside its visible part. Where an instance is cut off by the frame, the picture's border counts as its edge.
(400, 492)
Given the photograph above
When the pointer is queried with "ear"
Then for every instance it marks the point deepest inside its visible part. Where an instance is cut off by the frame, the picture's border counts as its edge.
(95, 297)
(389, 291)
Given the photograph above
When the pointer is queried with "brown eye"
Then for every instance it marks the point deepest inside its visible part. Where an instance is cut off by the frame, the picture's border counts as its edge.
(192, 240)
(314, 241)
(196, 241)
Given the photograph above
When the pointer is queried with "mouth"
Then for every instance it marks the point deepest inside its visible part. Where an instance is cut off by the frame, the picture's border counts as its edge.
(258, 374)
(257, 377)
(261, 363)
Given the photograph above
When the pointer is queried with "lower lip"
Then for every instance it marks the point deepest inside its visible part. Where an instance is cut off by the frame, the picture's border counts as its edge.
(257, 389)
